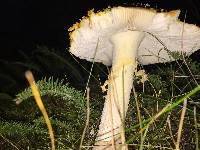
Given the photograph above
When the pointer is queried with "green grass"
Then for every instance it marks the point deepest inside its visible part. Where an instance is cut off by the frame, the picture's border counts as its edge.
(155, 119)
(161, 109)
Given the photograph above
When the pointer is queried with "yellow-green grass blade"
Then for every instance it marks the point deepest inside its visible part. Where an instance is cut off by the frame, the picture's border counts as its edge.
(36, 94)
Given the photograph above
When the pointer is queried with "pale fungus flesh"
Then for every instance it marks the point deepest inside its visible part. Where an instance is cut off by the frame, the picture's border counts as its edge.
(126, 36)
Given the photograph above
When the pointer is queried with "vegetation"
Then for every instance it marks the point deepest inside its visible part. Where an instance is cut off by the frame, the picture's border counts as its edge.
(153, 120)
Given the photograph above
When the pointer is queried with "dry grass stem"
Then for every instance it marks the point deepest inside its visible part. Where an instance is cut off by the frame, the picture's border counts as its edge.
(138, 110)
(7, 140)
(196, 129)
(181, 125)
(36, 94)
(170, 129)
(87, 118)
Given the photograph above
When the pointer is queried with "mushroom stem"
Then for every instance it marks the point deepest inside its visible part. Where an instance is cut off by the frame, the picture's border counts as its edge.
(120, 83)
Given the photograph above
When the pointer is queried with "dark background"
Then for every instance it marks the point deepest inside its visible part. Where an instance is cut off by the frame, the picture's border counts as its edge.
(26, 23)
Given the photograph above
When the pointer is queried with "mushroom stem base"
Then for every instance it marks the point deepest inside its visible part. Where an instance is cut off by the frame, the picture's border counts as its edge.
(120, 82)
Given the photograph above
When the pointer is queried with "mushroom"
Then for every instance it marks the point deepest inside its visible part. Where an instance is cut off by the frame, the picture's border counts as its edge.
(123, 37)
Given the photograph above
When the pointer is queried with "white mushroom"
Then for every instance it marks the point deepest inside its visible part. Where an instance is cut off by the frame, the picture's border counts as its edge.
(124, 35)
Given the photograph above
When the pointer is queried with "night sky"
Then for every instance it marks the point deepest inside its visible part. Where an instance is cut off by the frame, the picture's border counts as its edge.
(27, 23)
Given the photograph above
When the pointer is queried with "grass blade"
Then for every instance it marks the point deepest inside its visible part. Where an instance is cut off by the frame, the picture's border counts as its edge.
(36, 94)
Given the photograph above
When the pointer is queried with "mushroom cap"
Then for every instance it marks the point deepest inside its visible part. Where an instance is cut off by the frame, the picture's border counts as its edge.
(164, 33)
